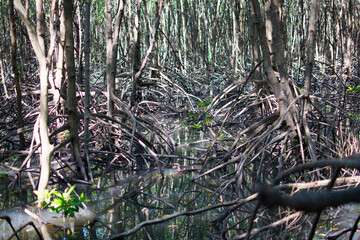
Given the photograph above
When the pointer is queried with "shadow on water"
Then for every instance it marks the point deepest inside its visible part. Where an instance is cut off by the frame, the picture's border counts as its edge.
(124, 199)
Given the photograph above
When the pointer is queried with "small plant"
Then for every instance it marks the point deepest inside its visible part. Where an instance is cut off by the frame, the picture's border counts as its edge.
(199, 118)
(354, 116)
(355, 89)
(207, 119)
(197, 125)
(223, 136)
(193, 115)
(65, 135)
(3, 175)
(61, 202)
(203, 104)
(28, 135)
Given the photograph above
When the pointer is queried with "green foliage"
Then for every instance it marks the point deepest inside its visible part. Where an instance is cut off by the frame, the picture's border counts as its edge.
(65, 135)
(222, 136)
(45, 197)
(28, 135)
(4, 175)
(355, 89)
(203, 104)
(193, 115)
(354, 116)
(199, 118)
(61, 202)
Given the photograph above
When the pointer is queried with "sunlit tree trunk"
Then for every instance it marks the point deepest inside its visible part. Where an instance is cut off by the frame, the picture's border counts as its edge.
(235, 37)
(59, 75)
(184, 33)
(349, 38)
(53, 29)
(38, 45)
(3, 76)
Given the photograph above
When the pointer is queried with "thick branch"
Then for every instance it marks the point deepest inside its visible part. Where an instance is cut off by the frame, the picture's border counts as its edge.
(309, 201)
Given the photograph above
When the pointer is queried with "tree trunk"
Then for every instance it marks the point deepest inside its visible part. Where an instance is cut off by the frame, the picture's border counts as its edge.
(16, 72)
(136, 56)
(3, 83)
(112, 38)
(281, 91)
(87, 84)
(44, 66)
(235, 37)
(184, 33)
(73, 119)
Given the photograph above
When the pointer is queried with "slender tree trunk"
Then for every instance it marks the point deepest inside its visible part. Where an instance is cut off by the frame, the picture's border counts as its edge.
(129, 38)
(38, 46)
(136, 56)
(87, 84)
(184, 33)
(73, 118)
(154, 74)
(214, 41)
(204, 24)
(40, 24)
(46, 147)
(194, 28)
(311, 42)
(235, 37)
(112, 37)
(59, 76)
(53, 29)
(110, 74)
(16, 72)
(349, 39)
(255, 59)
(79, 44)
(311, 46)
(3, 83)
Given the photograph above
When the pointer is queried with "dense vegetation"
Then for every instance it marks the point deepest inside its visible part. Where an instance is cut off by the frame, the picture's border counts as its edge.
(89, 87)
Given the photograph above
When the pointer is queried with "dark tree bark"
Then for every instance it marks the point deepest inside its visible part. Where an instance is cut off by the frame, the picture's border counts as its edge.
(73, 118)
(16, 72)
(112, 38)
(280, 89)
(87, 83)
(136, 56)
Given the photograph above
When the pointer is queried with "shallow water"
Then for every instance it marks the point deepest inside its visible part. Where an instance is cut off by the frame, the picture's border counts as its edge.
(123, 199)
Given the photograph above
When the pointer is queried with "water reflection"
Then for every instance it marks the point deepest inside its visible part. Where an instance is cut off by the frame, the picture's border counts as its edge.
(122, 199)
(125, 204)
